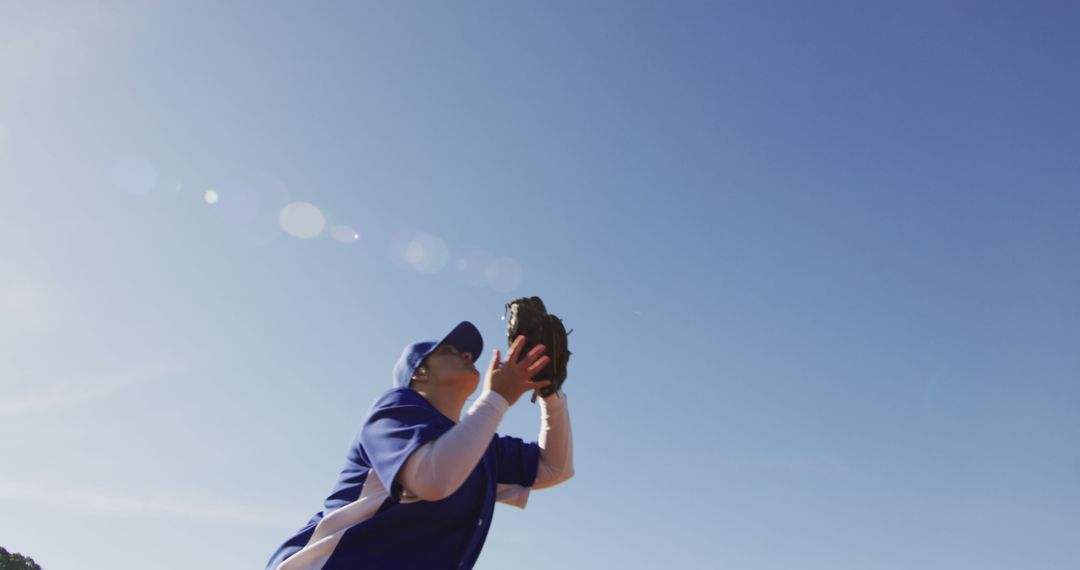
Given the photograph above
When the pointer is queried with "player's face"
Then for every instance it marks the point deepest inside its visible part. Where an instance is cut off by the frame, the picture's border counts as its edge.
(448, 365)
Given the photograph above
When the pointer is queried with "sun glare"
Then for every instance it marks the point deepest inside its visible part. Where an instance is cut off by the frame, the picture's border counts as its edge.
(302, 220)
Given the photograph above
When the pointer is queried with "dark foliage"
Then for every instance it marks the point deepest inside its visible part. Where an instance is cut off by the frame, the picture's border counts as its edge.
(16, 561)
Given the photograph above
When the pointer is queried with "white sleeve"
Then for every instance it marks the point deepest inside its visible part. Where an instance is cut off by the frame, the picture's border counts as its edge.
(438, 468)
(513, 495)
(556, 442)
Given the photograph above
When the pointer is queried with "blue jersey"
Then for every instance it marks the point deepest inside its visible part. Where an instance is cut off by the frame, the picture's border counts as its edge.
(412, 534)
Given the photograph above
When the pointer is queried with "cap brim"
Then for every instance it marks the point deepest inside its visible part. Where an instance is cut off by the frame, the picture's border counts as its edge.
(466, 338)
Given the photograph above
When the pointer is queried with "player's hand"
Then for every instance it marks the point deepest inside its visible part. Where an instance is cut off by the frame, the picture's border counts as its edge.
(513, 378)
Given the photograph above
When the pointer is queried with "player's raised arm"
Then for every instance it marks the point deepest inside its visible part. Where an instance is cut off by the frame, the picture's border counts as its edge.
(556, 442)
(438, 468)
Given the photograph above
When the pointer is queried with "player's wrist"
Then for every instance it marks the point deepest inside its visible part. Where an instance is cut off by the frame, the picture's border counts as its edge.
(496, 399)
(555, 399)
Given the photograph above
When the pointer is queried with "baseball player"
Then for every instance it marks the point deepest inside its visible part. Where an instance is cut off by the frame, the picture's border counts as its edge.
(420, 482)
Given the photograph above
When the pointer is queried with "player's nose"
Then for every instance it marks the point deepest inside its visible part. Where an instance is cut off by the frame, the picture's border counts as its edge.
(467, 356)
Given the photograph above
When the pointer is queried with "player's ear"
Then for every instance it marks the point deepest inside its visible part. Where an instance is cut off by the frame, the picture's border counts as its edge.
(420, 375)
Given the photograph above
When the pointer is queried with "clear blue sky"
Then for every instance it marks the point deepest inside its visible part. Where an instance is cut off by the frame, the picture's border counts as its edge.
(820, 259)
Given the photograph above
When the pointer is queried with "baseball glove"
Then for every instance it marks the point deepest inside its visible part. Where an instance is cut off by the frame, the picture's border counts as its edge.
(529, 317)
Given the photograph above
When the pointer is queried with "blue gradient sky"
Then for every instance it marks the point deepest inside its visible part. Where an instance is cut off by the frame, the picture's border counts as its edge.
(820, 260)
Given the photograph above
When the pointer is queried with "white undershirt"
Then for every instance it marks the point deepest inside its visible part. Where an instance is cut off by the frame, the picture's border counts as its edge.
(438, 468)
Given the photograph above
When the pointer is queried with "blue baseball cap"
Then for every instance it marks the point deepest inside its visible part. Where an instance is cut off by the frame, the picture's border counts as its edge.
(465, 337)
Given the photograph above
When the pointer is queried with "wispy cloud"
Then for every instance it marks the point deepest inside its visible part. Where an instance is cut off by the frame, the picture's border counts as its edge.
(198, 509)
(71, 393)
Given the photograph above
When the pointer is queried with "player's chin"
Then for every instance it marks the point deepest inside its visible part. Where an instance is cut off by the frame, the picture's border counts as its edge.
(471, 378)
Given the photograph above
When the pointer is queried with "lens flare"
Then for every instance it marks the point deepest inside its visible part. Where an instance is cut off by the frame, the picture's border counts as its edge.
(419, 251)
(427, 254)
(471, 267)
(414, 253)
(302, 220)
(345, 234)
